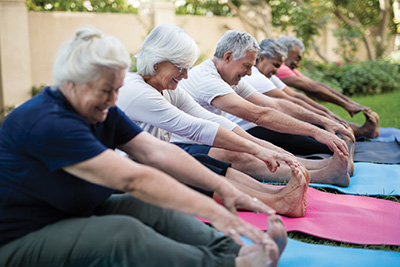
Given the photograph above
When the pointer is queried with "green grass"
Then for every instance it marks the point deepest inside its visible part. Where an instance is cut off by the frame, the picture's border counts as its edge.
(388, 108)
(386, 105)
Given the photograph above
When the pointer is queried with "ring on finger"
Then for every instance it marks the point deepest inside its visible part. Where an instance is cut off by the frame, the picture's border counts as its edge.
(255, 199)
(232, 231)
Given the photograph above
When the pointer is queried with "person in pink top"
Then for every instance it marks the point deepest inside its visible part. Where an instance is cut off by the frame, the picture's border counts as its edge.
(289, 74)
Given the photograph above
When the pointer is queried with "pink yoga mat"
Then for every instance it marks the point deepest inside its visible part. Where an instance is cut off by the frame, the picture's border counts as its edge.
(343, 218)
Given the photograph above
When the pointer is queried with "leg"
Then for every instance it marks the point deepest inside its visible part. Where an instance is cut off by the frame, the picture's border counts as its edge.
(289, 200)
(295, 144)
(85, 242)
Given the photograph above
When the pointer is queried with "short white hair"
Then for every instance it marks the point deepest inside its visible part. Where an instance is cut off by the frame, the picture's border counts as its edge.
(290, 42)
(239, 42)
(166, 42)
(271, 48)
(83, 58)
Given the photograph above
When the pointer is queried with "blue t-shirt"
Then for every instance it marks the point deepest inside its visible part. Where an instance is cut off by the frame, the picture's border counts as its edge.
(37, 140)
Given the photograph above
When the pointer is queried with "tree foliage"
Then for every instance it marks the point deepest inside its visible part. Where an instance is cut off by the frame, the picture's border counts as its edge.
(116, 6)
(368, 22)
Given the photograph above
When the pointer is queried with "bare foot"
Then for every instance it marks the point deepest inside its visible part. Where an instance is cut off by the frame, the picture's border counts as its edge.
(350, 145)
(370, 129)
(277, 232)
(291, 201)
(336, 173)
(258, 255)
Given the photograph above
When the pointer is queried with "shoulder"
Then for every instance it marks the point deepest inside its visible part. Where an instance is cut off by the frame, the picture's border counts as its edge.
(284, 72)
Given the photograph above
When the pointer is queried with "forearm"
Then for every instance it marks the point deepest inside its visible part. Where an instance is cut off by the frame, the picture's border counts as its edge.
(301, 113)
(185, 168)
(313, 108)
(159, 189)
(230, 141)
(280, 122)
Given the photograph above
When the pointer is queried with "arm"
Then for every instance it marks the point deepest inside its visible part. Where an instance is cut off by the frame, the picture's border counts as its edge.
(300, 113)
(314, 89)
(153, 186)
(314, 104)
(282, 95)
(277, 121)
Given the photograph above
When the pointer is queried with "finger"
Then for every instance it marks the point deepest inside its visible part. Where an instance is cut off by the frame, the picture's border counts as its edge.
(235, 236)
(258, 206)
(231, 207)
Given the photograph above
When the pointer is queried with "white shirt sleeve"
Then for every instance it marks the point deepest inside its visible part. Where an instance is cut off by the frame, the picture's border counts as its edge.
(204, 84)
(278, 83)
(259, 81)
(142, 103)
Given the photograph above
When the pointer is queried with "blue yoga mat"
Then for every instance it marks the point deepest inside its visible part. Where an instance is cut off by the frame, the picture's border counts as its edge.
(299, 253)
(371, 179)
(386, 135)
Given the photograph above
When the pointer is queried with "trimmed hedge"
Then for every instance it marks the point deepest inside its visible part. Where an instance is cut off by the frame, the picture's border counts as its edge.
(360, 78)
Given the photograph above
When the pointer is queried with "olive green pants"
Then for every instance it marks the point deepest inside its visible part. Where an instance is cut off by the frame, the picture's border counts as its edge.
(124, 232)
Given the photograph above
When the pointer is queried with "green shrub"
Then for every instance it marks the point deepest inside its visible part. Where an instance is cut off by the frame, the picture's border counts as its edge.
(4, 112)
(361, 78)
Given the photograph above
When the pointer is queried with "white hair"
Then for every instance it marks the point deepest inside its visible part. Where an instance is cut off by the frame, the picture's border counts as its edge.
(239, 42)
(83, 58)
(271, 48)
(166, 43)
(290, 42)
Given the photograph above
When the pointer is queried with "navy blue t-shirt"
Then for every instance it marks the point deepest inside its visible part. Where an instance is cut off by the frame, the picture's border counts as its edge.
(37, 140)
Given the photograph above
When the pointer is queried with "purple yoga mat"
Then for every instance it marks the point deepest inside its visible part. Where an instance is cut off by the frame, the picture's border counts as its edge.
(343, 218)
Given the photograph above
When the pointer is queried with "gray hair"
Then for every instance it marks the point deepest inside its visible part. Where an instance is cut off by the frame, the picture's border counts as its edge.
(271, 48)
(290, 42)
(239, 42)
(166, 43)
(83, 58)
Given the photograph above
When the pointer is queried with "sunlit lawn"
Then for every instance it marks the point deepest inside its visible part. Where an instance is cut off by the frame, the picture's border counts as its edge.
(386, 105)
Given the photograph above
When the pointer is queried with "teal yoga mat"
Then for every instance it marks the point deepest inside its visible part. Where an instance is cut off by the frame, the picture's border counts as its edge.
(299, 253)
(371, 179)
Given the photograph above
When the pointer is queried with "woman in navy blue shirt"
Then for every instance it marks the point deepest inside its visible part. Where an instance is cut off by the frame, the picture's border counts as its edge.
(59, 175)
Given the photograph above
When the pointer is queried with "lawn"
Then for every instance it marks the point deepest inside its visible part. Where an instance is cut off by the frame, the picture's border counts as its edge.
(388, 108)
(386, 105)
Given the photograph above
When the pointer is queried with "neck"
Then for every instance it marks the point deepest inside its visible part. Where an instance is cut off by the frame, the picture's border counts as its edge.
(150, 80)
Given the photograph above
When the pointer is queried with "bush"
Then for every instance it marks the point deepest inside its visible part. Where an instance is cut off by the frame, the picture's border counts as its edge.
(361, 78)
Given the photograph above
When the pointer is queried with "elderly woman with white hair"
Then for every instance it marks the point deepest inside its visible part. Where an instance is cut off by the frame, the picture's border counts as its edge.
(151, 98)
(59, 173)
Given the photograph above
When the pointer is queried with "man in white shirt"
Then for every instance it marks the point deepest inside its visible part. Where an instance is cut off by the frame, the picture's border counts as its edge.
(217, 86)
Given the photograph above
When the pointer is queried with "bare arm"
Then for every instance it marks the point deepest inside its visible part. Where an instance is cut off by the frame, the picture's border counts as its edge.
(156, 187)
(314, 104)
(228, 140)
(277, 121)
(300, 113)
(283, 95)
(314, 89)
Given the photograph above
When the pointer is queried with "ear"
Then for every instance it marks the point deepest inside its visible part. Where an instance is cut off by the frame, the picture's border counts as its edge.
(228, 56)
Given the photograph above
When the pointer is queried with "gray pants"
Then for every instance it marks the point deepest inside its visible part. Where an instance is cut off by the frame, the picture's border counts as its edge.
(124, 232)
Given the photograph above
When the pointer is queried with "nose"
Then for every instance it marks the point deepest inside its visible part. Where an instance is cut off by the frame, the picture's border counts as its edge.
(185, 73)
(112, 99)
(248, 71)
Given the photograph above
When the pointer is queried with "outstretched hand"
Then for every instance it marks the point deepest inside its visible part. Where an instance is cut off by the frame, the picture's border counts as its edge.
(272, 158)
(337, 128)
(334, 143)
